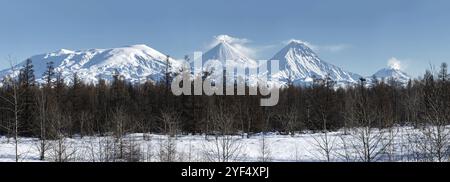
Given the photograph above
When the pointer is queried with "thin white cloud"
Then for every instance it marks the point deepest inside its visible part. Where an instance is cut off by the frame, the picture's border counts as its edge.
(310, 45)
(239, 43)
(231, 40)
(253, 51)
(335, 48)
(319, 48)
(395, 63)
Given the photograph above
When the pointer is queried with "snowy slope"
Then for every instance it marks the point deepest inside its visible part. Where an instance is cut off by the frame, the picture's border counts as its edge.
(300, 64)
(387, 74)
(224, 52)
(217, 58)
(135, 63)
(301, 147)
(138, 63)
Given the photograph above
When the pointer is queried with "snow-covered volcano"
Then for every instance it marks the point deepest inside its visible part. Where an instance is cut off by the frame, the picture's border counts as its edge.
(300, 64)
(387, 74)
(136, 63)
(139, 63)
(224, 52)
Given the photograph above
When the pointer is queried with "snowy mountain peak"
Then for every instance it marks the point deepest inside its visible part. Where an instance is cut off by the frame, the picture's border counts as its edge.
(300, 64)
(298, 48)
(394, 68)
(298, 43)
(64, 51)
(386, 74)
(224, 51)
(136, 63)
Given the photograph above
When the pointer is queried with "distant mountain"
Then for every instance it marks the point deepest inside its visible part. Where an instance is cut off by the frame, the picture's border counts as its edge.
(300, 64)
(136, 63)
(387, 74)
(224, 52)
(140, 63)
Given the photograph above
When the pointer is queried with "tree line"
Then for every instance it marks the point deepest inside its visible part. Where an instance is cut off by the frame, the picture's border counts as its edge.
(54, 109)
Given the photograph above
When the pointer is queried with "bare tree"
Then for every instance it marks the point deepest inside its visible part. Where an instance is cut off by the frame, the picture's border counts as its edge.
(435, 134)
(288, 120)
(224, 147)
(265, 153)
(102, 149)
(61, 149)
(167, 147)
(323, 141)
(296, 154)
(391, 148)
(325, 144)
(170, 120)
(132, 151)
(190, 157)
(346, 152)
(12, 99)
(119, 128)
(42, 103)
(368, 141)
(148, 152)
(85, 117)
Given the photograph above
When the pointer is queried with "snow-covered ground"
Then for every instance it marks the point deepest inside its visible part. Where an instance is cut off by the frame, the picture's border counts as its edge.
(397, 144)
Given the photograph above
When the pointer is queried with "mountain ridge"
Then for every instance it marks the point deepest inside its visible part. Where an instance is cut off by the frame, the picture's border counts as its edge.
(135, 62)
(300, 64)
(139, 63)
(386, 74)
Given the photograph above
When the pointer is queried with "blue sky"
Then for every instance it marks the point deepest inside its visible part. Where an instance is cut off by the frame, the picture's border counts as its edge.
(358, 35)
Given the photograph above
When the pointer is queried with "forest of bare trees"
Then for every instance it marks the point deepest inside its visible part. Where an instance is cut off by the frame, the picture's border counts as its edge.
(54, 111)
(87, 109)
